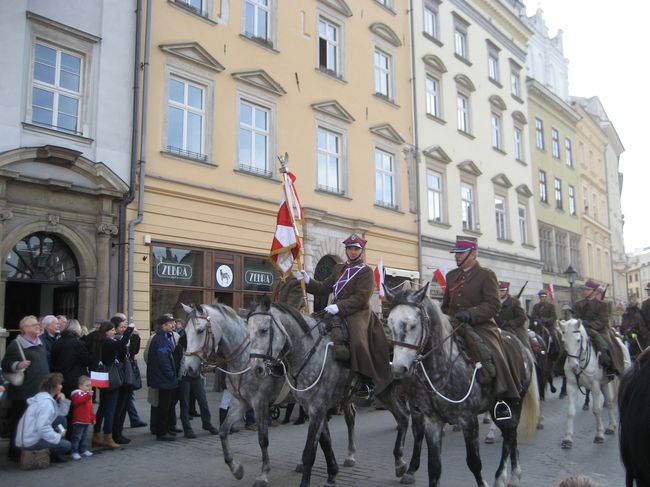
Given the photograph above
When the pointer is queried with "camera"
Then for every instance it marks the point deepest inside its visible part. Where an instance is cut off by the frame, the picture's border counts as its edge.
(60, 428)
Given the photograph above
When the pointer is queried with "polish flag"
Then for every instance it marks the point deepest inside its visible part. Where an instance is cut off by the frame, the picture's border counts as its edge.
(379, 279)
(440, 279)
(99, 379)
(551, 291)
(286, 242)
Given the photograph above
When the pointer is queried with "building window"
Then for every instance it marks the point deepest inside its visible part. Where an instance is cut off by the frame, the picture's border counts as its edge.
(568, 153)
(515, 80)
(546, 248)
(384, 179)
(594, 201)
(585, 199)
(539, 133)
(431, 27)
(523, 223)
(462, 112)
(468, 208)
(254, 133)
(493, 62)
(558, 193)
(460, 38)
(432, 97)
(543, 193)
(495, 122)
(519, 143)
(197, 7)
(561, 250)
(501, 219)
(434, 196)
(572, 200)
(329, 47)
(555, 142)
(383, 74)
(185, 118)
(329, 161)
(257, 15)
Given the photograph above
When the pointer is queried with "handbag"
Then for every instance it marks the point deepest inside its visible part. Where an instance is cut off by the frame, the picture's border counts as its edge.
(16, 378)
(34, 459)
(115, 374)
(132, 377)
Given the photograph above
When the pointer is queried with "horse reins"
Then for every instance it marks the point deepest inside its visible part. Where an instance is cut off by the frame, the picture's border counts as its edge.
(579, 357)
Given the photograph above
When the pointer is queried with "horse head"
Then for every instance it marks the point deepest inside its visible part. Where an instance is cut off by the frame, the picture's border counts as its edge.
(575, 341)
(409, 323)
(270, 341)
(632, 319)
(202, 338)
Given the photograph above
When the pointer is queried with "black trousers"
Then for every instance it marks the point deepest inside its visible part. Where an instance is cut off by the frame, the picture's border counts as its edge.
(165, 410)
(16, 410)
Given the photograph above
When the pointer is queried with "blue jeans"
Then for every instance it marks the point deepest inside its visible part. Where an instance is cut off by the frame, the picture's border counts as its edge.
(134, 417)
(60, 449)
(79, 436)
(106, 410)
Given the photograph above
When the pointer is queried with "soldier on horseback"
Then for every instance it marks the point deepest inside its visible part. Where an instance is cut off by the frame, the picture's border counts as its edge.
(544, 314)
(645, 306)
(472, 298)
(512, 316)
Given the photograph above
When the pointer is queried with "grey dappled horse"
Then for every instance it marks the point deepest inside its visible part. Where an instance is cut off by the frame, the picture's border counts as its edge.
(217, 336)
(446, 390)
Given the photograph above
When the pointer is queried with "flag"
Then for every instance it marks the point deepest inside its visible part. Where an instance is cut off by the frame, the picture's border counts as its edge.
(550, 291)
(99, 379)
(440, 279)
(379, 279)
(286, 242)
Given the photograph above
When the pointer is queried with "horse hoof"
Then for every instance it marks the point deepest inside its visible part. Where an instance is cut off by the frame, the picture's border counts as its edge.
(299, 468)
(261, 483)
(566, 444)
(553, 390)
(330, 483)
(599, 440)
(407, 479)
(400, 469)
(540, 426)
(238, 472)
(585, 407)
(562, 395)
(489, 440)
(456, 428)
(349, 462)
(610, 431)
(486, 420)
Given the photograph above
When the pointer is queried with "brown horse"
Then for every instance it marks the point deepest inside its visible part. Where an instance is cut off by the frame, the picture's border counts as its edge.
(634, 330)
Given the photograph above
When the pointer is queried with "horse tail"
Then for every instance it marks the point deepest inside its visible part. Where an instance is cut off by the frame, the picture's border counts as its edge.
(530, 408)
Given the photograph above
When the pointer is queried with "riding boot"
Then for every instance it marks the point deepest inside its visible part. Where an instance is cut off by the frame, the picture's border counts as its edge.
(302, 416)
(287, 415)
(479, 353)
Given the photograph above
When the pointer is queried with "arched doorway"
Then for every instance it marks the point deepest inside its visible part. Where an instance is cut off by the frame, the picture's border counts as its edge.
(323, 269)
(41, 278)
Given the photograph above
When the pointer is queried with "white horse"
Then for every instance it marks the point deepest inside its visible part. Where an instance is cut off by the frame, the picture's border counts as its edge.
(582, 370)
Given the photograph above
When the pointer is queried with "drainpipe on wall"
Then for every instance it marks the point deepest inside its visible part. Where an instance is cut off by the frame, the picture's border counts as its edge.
(142, 163)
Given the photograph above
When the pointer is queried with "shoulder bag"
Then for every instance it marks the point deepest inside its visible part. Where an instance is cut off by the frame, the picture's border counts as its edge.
(115, 374)
(132, 377)
(16, 378)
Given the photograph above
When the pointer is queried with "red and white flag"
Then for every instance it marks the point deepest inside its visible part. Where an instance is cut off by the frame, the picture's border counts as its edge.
(99, 379)
(550, 291)
(379, 279)
(286, 242)
(440, 279)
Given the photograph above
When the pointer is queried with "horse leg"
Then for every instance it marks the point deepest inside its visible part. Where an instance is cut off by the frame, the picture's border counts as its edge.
(610, 404)
(509, 433)
(418, 435)
(563, 392)
(470, 434)
(350, 414)
(316, 422)
(567, 442)
(585, 406)
(235, 411)
(492, 431)
(433, 435)
(262, 415)
(325, 441)
(515, 478)
(597, 410)
(390, 398)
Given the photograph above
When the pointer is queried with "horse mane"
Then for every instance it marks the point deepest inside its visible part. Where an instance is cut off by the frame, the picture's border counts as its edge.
(436, 316)
(295, 314)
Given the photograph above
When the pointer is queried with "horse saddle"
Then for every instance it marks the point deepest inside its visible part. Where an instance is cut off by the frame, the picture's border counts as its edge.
(337, 329)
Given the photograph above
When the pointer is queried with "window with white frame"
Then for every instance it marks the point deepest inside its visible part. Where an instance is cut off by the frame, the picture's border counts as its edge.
(574, 251)
(384, 179)
(493, 62)
(539, 133)
(572, 200)
(496, 130)
(461, 48)
(555, 143)
(432, 96)
(468, 206)
(501, 217)
(383, 75)
(329, 46)
(558, 194)
(561, 250)
(386, 3)
(546, 247)
(518, 136)
(329, 155)
(254, 138)
(434, 196)
(543, 193)
(585, 199)
(185, 118)
(568, 152)
(594, 202)
(56, 88)
(431, 26)
(515, 80)
(462, 112)
(198, 7)
(257, 20)
(522, 213)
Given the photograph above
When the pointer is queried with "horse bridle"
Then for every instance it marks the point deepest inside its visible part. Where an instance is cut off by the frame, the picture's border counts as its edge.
(581, 355)
(424, 338)
(268, 356)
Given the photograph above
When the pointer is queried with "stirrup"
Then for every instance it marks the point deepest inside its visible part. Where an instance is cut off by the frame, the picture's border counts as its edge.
(502, 411)
(364, 391)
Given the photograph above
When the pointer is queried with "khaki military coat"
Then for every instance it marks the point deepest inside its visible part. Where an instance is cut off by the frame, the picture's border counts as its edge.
(596, 313)
(645, 311)
(477, 290)
(512, 318)
(544, 313)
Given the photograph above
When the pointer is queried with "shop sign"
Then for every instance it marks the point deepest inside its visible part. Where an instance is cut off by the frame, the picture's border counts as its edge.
(224, 275)
(171, 270)
(258, 278)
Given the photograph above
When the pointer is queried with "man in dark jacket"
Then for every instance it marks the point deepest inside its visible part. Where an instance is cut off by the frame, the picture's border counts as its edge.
(544, 314)
(645, 306)
(512, 316)
(162, 374)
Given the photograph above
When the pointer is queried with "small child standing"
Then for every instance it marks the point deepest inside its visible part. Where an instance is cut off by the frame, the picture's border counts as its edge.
(82, 417)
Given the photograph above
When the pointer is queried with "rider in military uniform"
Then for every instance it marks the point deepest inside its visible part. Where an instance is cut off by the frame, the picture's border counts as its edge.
(512, 316)
(544, 314)
(645, 306)
(595, 317)
(472, 297)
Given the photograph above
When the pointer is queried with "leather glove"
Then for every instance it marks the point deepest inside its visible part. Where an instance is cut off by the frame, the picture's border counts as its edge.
(302, 276)
(332, 309)
(464, 316)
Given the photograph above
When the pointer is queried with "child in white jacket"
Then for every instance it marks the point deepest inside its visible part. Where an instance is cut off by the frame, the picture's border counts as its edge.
(43, 423)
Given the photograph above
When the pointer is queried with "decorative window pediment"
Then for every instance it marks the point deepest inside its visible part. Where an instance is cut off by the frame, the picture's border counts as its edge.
(339, 6)
(502, 180)
(519, 117)
(524, 190)
(334, 109)
(465, 82)
(497, 102)
(434, 62)
(436, 152)
(194, 52)
(469, 167)
(386, 131)
(386, 33)
(260, 79)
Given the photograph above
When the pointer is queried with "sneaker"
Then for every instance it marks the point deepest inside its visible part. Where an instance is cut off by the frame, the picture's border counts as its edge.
(75, 456)
(86, 453)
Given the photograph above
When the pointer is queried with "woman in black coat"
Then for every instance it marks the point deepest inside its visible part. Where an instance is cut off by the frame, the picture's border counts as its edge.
(132, 347)
(70, 356)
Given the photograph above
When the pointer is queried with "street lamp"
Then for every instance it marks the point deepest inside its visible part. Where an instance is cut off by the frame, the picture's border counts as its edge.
(570, 274)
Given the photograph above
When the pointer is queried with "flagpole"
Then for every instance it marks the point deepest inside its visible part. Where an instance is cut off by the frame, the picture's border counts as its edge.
(284, 161)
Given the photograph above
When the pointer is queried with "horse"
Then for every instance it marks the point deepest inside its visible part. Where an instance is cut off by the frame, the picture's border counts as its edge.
(445, 387)
(218, 337)
(634, 426)
(583, 370)
(299, 345)
(634, 330)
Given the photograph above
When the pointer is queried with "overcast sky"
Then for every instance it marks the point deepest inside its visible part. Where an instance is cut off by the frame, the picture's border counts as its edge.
(607, 45)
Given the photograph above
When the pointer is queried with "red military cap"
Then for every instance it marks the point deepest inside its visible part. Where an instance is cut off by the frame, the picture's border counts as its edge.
(647, 287)
(542, 293)
(590, 284)
(463, 244)
(504, 286)
(355, 241)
